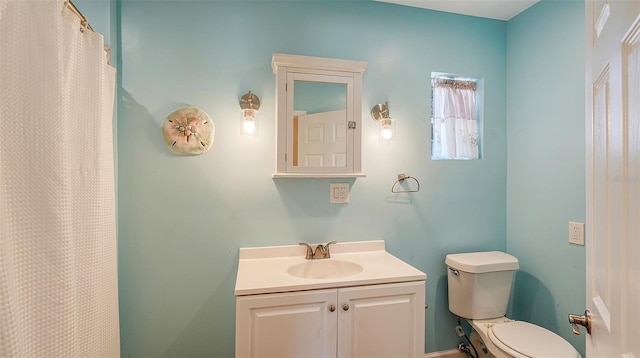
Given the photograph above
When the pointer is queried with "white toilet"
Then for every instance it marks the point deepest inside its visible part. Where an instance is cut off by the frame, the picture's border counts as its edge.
(479, 289)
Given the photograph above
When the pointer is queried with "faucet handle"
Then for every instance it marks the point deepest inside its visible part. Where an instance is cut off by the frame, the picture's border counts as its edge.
(310, 253)
(327, 254)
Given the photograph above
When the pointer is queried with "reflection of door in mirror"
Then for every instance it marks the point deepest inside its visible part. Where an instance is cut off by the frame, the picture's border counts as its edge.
(320, 139)
(320, 135)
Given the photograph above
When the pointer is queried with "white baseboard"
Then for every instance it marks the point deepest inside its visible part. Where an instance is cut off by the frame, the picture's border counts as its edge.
(453, 353)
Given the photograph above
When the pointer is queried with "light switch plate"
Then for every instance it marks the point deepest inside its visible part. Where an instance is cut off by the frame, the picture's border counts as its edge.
(339, 193)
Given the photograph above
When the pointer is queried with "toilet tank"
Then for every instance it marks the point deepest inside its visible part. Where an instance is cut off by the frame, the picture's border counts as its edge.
(480, 283)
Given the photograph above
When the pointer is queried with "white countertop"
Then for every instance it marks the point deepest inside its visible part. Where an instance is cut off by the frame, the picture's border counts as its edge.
(264, 269)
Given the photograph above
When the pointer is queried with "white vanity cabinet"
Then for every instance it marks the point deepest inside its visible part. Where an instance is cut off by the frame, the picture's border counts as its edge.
(361, 302)
(383, 320)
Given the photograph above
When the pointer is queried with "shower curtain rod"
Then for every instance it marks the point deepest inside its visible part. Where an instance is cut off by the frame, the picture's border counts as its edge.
(83, 20)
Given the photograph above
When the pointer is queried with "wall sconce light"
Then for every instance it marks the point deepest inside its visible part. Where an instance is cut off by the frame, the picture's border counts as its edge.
(380, 113)
(249, 106)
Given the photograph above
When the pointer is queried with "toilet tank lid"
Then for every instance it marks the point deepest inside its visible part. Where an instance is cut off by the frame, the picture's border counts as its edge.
(479, 262)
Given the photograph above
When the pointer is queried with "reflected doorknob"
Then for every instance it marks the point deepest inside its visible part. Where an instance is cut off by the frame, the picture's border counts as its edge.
(584, 321)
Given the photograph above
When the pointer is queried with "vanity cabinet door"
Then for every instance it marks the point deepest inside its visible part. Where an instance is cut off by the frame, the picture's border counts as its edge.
(296, 324)
(381, 321)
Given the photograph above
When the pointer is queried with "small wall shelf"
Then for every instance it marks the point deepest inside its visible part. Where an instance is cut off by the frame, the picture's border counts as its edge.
(317, 175)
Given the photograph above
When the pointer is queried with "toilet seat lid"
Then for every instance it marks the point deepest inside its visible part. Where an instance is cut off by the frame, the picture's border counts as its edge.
(531, 340)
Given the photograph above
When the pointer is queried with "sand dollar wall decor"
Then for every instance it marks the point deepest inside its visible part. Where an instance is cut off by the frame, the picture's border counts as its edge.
(188, 131)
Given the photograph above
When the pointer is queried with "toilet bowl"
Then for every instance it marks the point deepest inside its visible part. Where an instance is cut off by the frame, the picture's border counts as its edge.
(505, 338)
(479, 289)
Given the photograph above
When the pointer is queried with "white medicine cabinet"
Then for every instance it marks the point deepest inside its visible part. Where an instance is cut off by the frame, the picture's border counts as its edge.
(318, 117)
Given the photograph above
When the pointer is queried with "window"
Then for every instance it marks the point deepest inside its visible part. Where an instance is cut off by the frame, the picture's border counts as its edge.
(454, 117)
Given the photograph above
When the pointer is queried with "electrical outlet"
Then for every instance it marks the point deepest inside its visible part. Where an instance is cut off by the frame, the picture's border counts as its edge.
(576, 233)
(339, 193)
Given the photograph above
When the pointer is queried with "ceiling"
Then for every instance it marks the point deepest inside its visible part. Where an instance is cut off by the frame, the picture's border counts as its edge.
(492, 9)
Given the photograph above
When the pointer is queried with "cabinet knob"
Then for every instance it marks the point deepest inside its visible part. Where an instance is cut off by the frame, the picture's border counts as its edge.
(345, 307)
(332, 308)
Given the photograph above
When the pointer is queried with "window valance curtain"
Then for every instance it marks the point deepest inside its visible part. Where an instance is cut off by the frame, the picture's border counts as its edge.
(455, 125)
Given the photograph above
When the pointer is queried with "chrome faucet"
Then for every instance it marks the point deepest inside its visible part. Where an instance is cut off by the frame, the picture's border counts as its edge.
(320, 252)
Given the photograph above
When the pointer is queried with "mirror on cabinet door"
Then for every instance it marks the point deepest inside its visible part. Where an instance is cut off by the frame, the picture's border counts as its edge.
(319, 131)
(318, 113)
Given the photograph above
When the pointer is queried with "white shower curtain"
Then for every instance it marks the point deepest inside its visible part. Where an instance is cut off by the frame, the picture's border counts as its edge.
(58, 269)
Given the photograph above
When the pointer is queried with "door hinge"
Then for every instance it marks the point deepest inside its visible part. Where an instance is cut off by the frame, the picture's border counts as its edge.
(352, 124)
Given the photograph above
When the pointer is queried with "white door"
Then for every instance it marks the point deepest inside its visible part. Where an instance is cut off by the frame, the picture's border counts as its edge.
(381, 321)
(322, 139)
(287, 325)
(613, 177)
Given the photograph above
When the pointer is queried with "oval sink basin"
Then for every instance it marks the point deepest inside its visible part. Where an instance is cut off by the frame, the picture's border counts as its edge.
(324, 268)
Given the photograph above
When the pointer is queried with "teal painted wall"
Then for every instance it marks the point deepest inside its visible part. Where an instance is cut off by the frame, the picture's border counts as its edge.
(99, 14)
(182, 219)
(546, 162)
